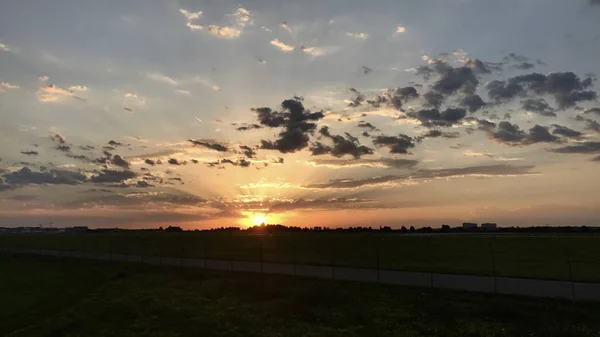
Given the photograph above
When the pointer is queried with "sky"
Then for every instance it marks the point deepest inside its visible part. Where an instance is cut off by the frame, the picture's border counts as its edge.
(202, 114)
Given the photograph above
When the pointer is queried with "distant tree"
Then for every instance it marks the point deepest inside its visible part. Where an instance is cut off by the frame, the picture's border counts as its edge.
(386, 229)
(445, 228)
(412, 228)
(173, 229)
(403, 229)
(160, 228)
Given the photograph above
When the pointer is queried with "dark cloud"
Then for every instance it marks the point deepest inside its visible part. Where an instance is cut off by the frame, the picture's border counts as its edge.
(433, 117)
(26, 176)
(453, 80)
(367, 126)
(240, 162)
(365, 134)
(209, 145)
(511, 134)
(566, 132)
(482, 67)
(58, 138)
(389, 163)
(248, 151)
(584, 148)
(566, 88)
(358, 98)
(30, 153)
(297, 123)
(592, 126)
(249, 127)
(433, 99)
(63, 148)
(174, 161)
(342, 145)
(324, 203)
(524, 66)
(512, 57)
(119, 161)
(396, 144)
(472, 102)
(87, 147)
(538, 106)
(112, 176)
(489, 170)
(434, 133)
(149, 162)
(395, 97)
(595, 2)
(593, 111)
(114, 143)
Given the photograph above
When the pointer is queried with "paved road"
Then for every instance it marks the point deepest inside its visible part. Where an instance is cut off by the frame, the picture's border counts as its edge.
(487, 284)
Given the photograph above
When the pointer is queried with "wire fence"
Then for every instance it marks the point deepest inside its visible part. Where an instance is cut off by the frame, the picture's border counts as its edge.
(565, 258)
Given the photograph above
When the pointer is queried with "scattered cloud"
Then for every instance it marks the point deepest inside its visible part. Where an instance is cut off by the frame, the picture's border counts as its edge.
(161, 78)
(224, 31)
(400, 30)
(360, 36)
(43, 78)
(53, 93)
(7, 86)
(282, 46)
(4, 47)
(190, 15)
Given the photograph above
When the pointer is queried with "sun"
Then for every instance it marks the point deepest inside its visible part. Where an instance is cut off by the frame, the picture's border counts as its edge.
(259, 219)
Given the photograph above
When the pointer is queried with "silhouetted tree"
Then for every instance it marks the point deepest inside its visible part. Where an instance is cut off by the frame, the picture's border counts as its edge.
(160, 228)
(445, 228)
(386, 229)
(403, 229)
(412, 228)
(173, 229)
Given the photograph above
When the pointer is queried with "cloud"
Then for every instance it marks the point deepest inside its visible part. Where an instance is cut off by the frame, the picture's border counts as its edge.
(566, 88)
(190, 15)
(595, 2)
(43, 78)
(595, 111)
(538, 106)
(582, 148)
(297, 123)
(161, 78)
(242, 17)
(396, 144)
(26, 176)
(282, 46)
(30, 153)
(183, 92)
(435, 118)
(524, 66)
(193, 27)
(388, 163)
(78, 88)
(360, 36)
(58, 138)
(342, 146)
(472, 102)
(434, 133)
(239, 162)
(470, 153)
(249, 127)
(566, 132)
(135, 99)
(112, 176)
(394, 97)
(7, 86)
(119, 161)
(209, 145)
(400, 30)
(4, 47)
(408, 179)
(511, 134)
(224, 31)
(247, 151)
(367, 126)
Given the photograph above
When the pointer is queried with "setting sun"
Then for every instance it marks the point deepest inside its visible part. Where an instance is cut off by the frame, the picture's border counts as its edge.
(259, 219)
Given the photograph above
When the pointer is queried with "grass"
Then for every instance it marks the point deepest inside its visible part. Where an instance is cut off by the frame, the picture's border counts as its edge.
(63, 297)
(546, 257)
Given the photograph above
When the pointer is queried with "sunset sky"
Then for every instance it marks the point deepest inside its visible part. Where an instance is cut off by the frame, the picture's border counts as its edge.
(307, 113)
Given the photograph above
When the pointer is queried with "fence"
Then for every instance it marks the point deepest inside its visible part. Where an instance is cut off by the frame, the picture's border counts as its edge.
(484, 261)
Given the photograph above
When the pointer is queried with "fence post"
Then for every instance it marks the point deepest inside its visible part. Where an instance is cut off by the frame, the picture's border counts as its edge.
(493, 265)
(570, 273)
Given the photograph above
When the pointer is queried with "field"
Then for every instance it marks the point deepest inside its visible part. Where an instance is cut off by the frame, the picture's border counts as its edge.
(64, 297)
(545, 257)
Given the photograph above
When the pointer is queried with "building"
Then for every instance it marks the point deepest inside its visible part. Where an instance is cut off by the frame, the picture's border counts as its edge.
(489, 226)
(469, 225)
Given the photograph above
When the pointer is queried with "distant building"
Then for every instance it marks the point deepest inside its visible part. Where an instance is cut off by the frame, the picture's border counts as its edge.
(489, 226)
(469, 225)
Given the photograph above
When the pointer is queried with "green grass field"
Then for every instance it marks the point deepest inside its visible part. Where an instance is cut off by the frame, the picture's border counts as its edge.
(546, 257)
(65, 297)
